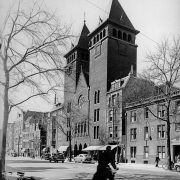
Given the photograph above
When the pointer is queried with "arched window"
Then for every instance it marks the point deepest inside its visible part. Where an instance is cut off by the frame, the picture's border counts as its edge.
(114, 32)
(119, 34)
(94, 40)
(85, 145)
(104, 32)
(97, 37)
(85, 127)
(80, 147)
(129, 38)
(100, 35)
(124, 36)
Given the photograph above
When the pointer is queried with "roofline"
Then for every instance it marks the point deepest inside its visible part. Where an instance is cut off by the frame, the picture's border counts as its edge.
(73, 49)
(153, 101)
(114, 23)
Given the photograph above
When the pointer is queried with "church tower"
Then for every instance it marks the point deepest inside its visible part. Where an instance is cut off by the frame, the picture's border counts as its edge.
(112, 51)
(77, 61)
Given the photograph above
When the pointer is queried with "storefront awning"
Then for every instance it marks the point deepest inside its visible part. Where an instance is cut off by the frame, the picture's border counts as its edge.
(62, 148)
(104, 147)
(92, 148)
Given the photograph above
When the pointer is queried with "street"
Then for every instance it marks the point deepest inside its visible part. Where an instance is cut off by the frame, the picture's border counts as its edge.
(42, 169)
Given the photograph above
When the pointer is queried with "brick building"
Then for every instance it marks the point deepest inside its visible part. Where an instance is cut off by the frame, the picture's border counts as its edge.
(146, 133)
(34, 133)
(97, 59)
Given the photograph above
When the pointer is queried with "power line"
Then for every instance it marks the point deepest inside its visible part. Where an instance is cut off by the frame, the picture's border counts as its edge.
(108, 13)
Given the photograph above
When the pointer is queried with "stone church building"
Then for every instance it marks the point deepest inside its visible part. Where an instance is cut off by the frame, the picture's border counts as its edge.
(99, 58)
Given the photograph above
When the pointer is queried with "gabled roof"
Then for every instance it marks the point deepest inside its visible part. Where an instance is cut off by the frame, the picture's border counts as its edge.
(82, 40)
(118, 15)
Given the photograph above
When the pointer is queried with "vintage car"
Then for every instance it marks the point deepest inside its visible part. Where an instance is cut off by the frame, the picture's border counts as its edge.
(177, 166)
(83, 158)
(56, 157)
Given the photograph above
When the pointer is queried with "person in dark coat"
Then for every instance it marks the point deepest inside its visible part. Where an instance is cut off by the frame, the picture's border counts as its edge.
(103, 169)
(157, 159)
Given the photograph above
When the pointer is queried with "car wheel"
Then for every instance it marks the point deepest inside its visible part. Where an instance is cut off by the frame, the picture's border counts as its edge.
(62, 161)
(49, 160)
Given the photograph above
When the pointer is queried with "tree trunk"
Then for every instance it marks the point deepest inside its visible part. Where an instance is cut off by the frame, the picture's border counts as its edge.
(4, 130)
(70, 150)
(168, 141)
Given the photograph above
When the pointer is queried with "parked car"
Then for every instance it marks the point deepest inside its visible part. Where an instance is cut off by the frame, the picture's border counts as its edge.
(177, 166)
(47, 156)
(56, 157)
(82, 158)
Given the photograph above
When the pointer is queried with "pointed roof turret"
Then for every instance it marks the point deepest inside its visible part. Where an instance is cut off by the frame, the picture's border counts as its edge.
(118, 15)
(82, 40)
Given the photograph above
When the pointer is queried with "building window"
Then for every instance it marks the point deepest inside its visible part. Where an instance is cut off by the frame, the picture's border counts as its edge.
(94, 40)
(114, 100)
(133, 134)
(133, 116)
(119, 34)
(110, 132)
(161, 111)
(161, 152)
(146, 112)
(161, 131)
(124, 36)
(95, 96)
(96, 132)
(129, 37)
(96, 115)
(146, 133)
(98, 96)
(116, 131)
(146, 152)
(75, 129)
(100, 35)
(85, 127)
(114, 32)
(104, 32)
(81, 127)
(110, 115)
(133, 152)
(177, 126)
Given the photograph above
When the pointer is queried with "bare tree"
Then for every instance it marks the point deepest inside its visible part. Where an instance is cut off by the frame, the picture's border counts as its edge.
(71, 121)
(32, 43)
(164, 71)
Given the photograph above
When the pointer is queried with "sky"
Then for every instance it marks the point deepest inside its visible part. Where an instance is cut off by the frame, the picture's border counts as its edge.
(155, 19)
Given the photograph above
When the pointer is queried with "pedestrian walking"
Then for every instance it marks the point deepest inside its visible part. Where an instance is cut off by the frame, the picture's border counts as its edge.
(103, 169)
(157, 159)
